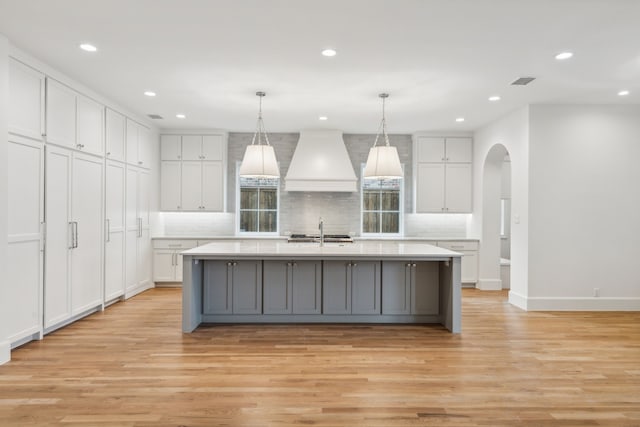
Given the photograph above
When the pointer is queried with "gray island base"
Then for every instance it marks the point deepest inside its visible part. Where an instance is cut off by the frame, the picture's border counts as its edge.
(278, 282)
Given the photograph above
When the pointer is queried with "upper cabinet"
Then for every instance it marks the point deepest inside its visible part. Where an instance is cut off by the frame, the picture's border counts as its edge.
(26, 100)
(74, 120)
(192, 172)
(207, 147)
(115, 135)
(443, 174)
(90, 125)
(138, 143)
(170, 147)
(61, 114)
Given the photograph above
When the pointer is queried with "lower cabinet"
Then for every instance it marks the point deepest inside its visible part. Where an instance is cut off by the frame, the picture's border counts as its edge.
(315, 287)
(410, 287)
(469, 263)
(292, 287)
(167, 260)
(233, 287)
(351, 287)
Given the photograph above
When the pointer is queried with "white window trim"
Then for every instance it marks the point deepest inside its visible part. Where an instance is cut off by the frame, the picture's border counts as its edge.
(400, 232)
(254, 233)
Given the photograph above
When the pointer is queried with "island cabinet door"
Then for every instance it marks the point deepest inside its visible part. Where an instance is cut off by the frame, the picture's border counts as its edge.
(365, 287)
(396, 287)
(277, 287)
(336, 287)
(425, 285)
(217, 292)
(247, 287)
(307, 287)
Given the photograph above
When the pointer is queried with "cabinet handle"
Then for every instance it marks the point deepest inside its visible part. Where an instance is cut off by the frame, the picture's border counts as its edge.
(75, 234)
(354, 264)
(229, 264)
(414, 265)
(408, 264)
(175, 245)
(108, 153)
(108, 221)
(70, 225)
(178, 157)
(139, 163)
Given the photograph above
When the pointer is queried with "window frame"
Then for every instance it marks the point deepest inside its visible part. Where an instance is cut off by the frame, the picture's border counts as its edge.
(400, 211)
(238, 201)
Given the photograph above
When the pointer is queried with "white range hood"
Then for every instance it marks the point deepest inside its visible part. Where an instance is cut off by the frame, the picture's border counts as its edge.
(321, 163)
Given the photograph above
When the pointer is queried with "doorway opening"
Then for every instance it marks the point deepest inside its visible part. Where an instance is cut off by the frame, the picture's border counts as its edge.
(495, 250)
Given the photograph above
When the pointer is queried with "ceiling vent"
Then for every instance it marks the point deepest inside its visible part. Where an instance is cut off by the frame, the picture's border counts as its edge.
(523, 81)
(155, 116)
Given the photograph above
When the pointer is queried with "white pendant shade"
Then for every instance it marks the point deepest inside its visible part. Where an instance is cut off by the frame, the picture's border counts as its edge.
(259, 161)
(383, 162)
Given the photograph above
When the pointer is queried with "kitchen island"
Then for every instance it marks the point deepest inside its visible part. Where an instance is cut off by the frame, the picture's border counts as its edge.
(265, 281)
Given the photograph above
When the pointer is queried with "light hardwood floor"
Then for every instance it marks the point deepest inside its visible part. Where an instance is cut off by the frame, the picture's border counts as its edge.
(132, 366)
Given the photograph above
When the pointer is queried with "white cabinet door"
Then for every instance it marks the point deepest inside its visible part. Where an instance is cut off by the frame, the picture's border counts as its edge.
(115, 135)
(61, 114)
(144, 147)
(212, 147)
(86, 212)
(212, 186)
(115, 231)
(191, 185)
(132, 142)
(132, 226)
(170, 147)
(430, 149)
(25, 171)
(90, 126)
(164, 269)
(469, 267)
(145, 255)
(57, 295)
(192, 147)
(430, 187)
(459, 150)
(170, 183)
(458, 187)
(26, 98)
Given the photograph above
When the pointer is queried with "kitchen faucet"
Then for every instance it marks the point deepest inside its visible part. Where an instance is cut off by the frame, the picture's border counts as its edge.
(321, 228)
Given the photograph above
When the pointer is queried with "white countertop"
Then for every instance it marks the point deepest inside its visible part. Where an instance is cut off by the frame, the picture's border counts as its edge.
(226, 249)
(356, 238)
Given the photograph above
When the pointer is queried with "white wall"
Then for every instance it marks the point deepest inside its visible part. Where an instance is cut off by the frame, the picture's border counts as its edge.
(4, 101)
(584, 207)
(511, 131)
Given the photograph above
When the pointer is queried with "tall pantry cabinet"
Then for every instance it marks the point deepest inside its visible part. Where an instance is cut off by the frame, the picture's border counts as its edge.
(75, 190)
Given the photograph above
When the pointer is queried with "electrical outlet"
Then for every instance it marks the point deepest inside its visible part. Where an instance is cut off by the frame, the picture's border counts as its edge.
(596, 292)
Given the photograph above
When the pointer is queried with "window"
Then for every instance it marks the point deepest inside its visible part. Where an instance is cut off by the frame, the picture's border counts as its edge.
(382, 206)
(258, 207)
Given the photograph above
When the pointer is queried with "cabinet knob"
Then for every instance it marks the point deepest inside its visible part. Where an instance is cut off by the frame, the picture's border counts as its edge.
(408, 264)
(414, 265)
(139, 163)
(108, 153)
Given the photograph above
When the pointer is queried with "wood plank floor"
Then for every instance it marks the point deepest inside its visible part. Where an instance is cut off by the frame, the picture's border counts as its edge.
(131, 366)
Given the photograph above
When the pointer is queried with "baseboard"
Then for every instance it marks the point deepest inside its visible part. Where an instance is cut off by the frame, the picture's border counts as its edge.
(583, 304)
(574, 304)
(489, 284)
(518, 300)
(5, 352)
(131, 292)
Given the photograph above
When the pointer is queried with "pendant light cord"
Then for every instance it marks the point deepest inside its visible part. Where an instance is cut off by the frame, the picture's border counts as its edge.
(260, 130)
(383, 122)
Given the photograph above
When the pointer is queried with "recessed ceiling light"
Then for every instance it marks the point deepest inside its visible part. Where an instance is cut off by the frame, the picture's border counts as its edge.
(623, 93)
(494, 98)
(329, 52)
(564, 55)
(460, 119)
(181, 116)
(323, 118)
(150, 93)
(88, 47)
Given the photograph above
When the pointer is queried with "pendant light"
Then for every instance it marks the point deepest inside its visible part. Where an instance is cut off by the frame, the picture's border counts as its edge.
(260, 159)
(383, 160)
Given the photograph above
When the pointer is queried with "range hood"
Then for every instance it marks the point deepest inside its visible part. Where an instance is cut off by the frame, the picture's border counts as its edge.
(321, 163)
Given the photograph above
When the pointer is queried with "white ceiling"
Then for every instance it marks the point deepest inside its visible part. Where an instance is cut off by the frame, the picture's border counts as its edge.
(438, 59)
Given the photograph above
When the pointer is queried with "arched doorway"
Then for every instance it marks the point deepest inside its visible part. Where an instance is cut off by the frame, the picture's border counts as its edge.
(493, 224)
